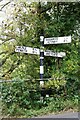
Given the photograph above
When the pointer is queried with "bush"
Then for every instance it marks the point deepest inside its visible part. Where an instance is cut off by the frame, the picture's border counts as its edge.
(57, 80)
(20, 95)
(24, 96)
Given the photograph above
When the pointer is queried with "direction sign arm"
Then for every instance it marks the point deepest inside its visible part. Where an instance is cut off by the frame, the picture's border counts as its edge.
(57, 40)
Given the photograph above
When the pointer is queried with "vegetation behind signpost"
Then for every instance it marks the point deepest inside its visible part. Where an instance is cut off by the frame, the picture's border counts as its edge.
(23, 28)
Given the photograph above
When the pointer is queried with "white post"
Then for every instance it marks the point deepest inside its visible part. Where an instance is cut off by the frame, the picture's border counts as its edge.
(41, 60)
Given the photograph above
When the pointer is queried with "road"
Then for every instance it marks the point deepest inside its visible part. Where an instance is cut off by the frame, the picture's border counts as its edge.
(64, 115)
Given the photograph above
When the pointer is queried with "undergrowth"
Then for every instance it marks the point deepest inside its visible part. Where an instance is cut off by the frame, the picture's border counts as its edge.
(19, 101)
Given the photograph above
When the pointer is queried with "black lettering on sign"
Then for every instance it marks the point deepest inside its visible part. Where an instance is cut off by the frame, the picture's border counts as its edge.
(34, 50)
(21, 50)
(18, 47)
(47, 53)
(65, 39)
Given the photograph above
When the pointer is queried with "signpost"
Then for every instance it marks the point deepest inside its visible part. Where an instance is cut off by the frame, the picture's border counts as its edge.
(57, 40)
(36, 51)
(42, 53)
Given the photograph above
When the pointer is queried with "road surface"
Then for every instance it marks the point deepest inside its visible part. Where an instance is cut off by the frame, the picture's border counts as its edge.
(64, 115)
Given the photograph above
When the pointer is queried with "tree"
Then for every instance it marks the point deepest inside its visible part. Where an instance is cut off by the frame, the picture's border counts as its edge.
(28, 22)
(15, 30)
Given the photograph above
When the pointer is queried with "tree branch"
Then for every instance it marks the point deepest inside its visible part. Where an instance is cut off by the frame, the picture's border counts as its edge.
(12, 68)
(3, 52)
(6, 40)
(42, 11)
(4, 60)
(4, 5)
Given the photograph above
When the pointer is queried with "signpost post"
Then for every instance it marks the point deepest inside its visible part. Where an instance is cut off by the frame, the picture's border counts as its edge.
(42, 60)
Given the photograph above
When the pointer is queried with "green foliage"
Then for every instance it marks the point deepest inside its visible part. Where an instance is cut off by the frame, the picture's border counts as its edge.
(57, 81)
(20, 95)
(54, 106)
(29, 21)
(22, 103)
